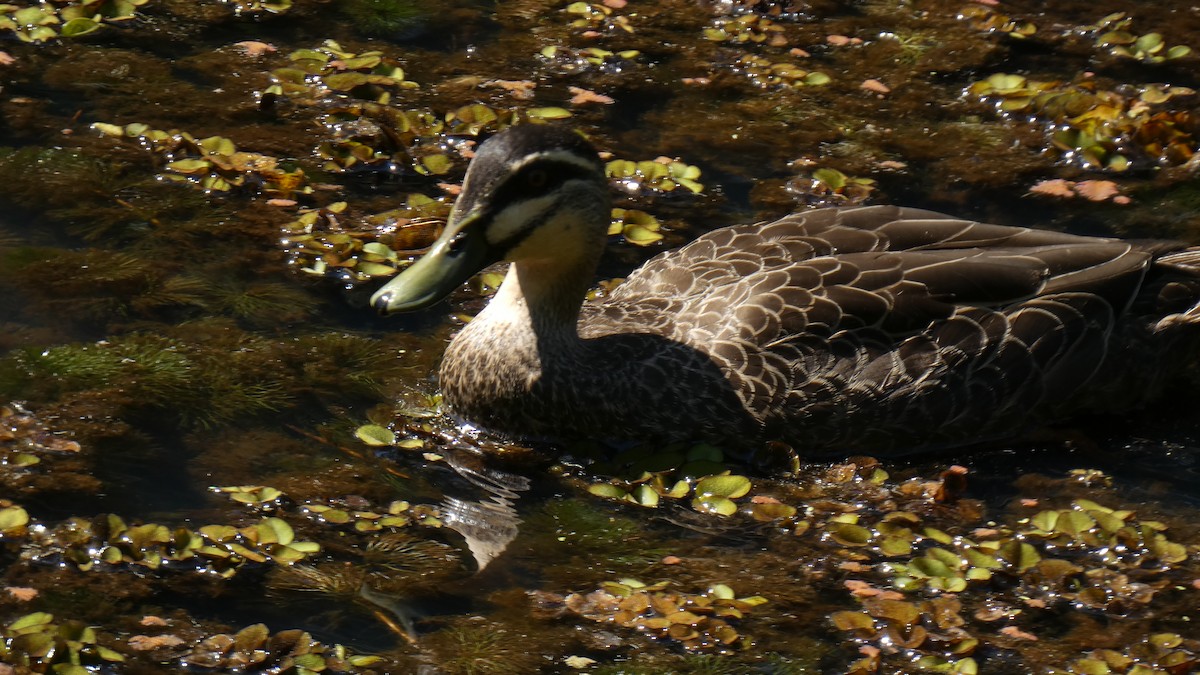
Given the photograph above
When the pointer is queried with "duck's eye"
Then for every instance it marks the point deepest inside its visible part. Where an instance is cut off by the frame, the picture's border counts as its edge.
(536, 178)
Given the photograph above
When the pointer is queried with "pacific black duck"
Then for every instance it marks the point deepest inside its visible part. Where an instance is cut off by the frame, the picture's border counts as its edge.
(876, 329)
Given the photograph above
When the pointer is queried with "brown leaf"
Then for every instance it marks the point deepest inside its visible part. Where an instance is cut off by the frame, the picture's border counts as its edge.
(1055, 187)
(582, 96)
(842, 40)
(151, 620)
(281, 202)
(616, 4)
(1013, 631)
(1097, 190)
(21, 593)
(521, 90)
(5, 59)
(254, 49)
(144, 643)
(875, 86)
(953, 484)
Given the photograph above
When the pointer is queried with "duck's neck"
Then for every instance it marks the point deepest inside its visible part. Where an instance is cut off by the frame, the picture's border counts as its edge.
(541, 298)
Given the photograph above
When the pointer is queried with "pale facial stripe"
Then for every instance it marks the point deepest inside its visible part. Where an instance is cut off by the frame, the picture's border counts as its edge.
(563, 156)
(518, 218)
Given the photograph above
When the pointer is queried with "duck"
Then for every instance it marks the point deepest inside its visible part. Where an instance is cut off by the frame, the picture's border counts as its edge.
(877, 330)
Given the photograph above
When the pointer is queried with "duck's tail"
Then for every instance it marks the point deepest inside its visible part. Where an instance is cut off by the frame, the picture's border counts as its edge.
(1185, 263)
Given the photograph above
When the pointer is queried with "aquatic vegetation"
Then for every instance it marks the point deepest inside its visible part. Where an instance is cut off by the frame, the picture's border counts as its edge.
(214, 164)
(107, 542)
(597, 17)
(386, 18)
(286, 651)
(1155, 654)
(653, 176)
(478, 647)
(202, 381)
(746, 28)
(767, 74)
(321, 243)
(258, 6)
(569, 60)
(696, 621)
(398, 514)
(1112, 32)
(636, 227)
(46, 21)
(35, 641)
(329, 69)
(830, 187)
(984, 18)
(1096, 127)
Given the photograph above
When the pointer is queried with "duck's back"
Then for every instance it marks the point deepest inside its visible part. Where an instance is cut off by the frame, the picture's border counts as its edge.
(884, 329)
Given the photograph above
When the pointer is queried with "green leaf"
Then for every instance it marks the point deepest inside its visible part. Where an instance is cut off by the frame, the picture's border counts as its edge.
(190, 166)
(714, 505)
(375, 269)
(77, 27)
(279, 530)
(13, 518)
(641, 236)
(723, 486)
(373, 434)
(346, 81)
(607, 490)
(550, 113)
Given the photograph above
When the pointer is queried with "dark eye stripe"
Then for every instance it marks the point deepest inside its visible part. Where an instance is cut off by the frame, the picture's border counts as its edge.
(517, 188)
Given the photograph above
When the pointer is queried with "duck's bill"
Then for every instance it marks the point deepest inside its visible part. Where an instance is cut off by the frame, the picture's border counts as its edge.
(459, 253)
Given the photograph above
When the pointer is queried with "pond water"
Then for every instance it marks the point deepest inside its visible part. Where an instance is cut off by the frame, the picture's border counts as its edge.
(214, 457)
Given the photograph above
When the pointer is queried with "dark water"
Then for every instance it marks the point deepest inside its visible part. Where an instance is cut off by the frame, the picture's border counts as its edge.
(159, 339)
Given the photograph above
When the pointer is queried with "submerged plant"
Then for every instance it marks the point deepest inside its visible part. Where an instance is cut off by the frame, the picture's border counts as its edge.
(386, 18)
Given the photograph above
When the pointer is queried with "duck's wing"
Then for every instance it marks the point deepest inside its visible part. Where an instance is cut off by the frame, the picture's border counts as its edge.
(894, 318)
(888, 268)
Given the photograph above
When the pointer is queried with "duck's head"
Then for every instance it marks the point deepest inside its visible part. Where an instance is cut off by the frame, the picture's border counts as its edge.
(531, 192)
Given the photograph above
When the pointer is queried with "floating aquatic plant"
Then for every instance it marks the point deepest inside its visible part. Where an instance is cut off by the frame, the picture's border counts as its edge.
(637, 227)
(769, 74)
(653, 176)
(987, 19)
(398, 514)
(289, 651)
(259, 6)
(597, 17)
(1100, 128)
(696, 621)
(322, 242)
(214, 164)
(107, 542)
(830, 187)
(331, 70)
(746, 28)
(1112, 33)
(1157, 654)
(570, 60)
(45, 21)
(39, 644)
